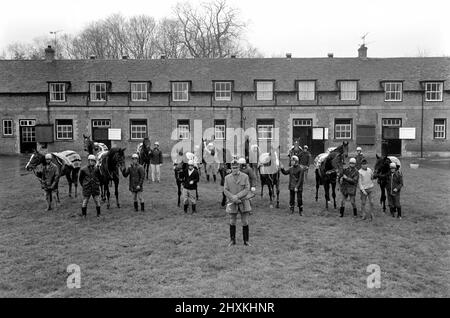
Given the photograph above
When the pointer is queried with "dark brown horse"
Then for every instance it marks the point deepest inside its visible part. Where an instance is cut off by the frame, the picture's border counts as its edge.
(109, 165)
(381, 172)
(144, 152)
(68, 163)
(328, 167)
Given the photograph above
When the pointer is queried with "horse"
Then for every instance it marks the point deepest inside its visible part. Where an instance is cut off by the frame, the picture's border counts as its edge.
(92, 146)
(269, 173)
(381, 172)
(144, 152)
(328, 167)
(109, 165)
(68, 163)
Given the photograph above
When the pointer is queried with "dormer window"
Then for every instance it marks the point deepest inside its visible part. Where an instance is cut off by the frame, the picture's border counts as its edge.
(348, 90)
(180, 91)
(97, 92)
(433, 91)
(264, 90)
(393, 91)
(57, 92)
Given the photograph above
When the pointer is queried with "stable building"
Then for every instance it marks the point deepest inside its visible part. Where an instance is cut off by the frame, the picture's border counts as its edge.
(392, 106)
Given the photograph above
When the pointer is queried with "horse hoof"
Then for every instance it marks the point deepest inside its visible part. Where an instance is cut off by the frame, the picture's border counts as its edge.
(118, 206)
(278, 206)
(271, 206)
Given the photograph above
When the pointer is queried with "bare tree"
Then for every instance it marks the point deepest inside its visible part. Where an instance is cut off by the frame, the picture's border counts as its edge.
(169, 40)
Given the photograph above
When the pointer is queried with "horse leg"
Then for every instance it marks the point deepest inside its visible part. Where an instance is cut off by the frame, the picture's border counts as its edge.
(108, 194)
(179, 193)
(383, 197)
(326, 187)
(333, 193)
(69, 181)
(270, 186)
(75, 179)
(317, 185)
(278, 195)
(116, 191)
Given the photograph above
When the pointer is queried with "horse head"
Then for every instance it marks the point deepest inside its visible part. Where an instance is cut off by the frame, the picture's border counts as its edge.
(381, 165)
(35, 160)
(88, 144)
(334, 161)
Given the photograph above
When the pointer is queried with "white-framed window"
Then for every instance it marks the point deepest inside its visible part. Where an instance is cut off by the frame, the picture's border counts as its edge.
(264, 90)
(349, 90)
(433, 91)
(342, 129)
(183, 129)
(391, 122)
(306, 90)
(302, 122)
(7, 127)
(440, 128)
(180, 91)
(139, 92)
(265, 129)
(393, 91)
(98, 92)
(27, 122)
(138, 129)
(101, 123)
(57, 92)
(222, 90)
(220, 129)
(64, 129)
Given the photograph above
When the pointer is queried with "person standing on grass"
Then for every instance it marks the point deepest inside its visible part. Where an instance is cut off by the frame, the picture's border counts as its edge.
(359, 157)
(348, 183)
(90, 182)
(191, 179)
(393, 187)
(136, 181)
(50, 176)
(367, 188)
(296, 176)
(156, 162)
(236, 188)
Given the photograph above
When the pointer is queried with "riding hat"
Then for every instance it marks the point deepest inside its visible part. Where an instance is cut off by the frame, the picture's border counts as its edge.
(358, 148)
(48, 156)
(135, 155)
(264, 158)
(156, 143)
(305, 147)
(242, 161)
(191, 162)
(295, 158)
(392, 165)
(234, 163)
(91, 157)
(352, 160)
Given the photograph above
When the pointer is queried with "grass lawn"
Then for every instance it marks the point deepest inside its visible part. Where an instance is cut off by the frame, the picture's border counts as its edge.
(166, 253)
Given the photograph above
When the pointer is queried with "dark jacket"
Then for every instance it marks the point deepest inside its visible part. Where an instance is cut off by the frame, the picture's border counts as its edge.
(305, 158)
(251, 175)
(295, 177)
(359, 158)
(90, 180)
(50, 176)
(137, 175)
(348, 186)
(156, 156)
(394, 181)
(188, 178)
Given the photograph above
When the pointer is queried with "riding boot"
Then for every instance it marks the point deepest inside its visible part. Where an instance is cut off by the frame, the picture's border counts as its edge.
(214, 177)
(186, 208)
(291, 209)
(136, 206)
(300, 210)
(83, 211)
(98, 211)
(355, 212)
(232, 235)
(342, 211)
(207, 177)
(245, 234)
(399, 212)
(142, 206)
(223, 199)
(193, 209)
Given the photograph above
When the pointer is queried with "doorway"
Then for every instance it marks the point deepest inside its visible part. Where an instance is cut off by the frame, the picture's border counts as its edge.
(391, 144)
(100, 131)
(27, 135)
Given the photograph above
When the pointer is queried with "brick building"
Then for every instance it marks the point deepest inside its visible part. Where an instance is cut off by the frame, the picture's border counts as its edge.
(398, 106)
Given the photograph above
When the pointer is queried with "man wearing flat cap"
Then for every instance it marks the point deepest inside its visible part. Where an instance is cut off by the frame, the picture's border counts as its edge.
(296, 177)
(236, 188)
(137, 175)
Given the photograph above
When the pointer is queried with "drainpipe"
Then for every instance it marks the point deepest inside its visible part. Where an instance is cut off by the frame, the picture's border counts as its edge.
(421, 123)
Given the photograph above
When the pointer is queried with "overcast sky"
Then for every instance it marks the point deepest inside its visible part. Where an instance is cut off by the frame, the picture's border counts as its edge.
(304, 28)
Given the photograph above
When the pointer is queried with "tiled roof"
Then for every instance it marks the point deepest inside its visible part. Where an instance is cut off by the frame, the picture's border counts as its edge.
(32, 76)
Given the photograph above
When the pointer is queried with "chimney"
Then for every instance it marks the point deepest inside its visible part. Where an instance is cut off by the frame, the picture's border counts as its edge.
(330, 55)
(233, 56)
(163, 57)
(49, 54)
(288, 55)
(124, 57)
(362, 51)
(92, 57)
